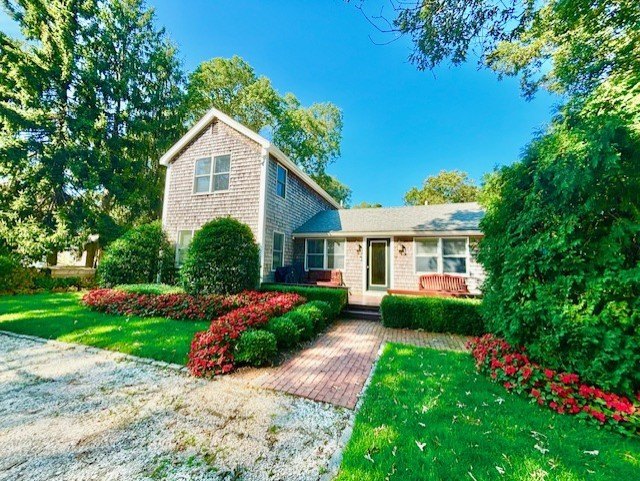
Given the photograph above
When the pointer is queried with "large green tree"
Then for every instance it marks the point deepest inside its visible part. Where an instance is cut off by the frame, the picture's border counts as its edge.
(367, 205)
(562, 228)
(562, 241)
(310, 136)
(567, 46)
(445, 187)
(89, 97)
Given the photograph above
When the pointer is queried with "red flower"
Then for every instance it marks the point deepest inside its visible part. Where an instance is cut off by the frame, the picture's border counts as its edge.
(499, 359)
(510, 370)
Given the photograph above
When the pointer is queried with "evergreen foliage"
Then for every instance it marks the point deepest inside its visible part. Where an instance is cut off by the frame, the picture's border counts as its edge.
(223, 258)
(139, 257)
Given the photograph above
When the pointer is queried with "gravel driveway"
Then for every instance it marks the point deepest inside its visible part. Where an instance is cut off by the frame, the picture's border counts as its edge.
(69, 413)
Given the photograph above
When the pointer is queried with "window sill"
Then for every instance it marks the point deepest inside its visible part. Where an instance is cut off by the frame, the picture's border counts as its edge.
(199, 194)
(458, 274)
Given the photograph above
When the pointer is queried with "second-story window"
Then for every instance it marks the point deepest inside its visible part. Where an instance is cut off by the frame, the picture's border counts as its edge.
(212, 175)
(281, 181)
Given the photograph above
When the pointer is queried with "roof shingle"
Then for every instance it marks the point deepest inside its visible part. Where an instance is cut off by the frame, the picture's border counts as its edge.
(441, 218)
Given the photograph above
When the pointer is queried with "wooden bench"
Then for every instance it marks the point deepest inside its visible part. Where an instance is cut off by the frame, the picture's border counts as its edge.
(442, 285)
(332, 278)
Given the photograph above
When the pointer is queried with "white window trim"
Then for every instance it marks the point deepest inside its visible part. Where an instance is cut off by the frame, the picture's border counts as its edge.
(211, 175)
(325, 254)
(284, 240)
(440, 256)
(193, 232)
(286, 181)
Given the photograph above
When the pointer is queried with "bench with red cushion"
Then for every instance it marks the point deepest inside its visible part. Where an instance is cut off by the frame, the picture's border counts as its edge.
(444, 285)
(330, 278)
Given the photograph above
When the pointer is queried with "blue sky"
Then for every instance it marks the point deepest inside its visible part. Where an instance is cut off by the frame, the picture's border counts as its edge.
(400, 125)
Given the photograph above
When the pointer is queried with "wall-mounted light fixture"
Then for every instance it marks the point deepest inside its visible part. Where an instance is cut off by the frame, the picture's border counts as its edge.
(359, 250)
(402, 249)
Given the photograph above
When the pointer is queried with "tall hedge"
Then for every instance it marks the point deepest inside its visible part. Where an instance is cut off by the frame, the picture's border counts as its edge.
(137, 257)
(562, 244)
(223, 258)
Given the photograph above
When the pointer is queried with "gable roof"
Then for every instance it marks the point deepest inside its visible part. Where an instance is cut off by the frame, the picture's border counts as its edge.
(215, 114)
(457, 219)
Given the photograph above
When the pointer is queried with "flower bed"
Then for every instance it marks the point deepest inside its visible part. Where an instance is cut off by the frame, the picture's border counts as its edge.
(173, 306)
(562, 392)
(212, 351)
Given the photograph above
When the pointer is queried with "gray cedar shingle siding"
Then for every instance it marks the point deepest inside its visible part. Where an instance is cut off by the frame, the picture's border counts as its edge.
(285, 215)
(186, 210)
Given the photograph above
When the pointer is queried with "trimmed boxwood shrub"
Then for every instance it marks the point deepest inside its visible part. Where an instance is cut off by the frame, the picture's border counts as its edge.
(336, 297)
(223, 258)
(285, 330)
(256, 348)
(318, 312)
(303, 322)
(434, 314)
(139, 256)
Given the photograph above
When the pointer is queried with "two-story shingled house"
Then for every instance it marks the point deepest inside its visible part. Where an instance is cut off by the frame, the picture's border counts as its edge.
(221, 168)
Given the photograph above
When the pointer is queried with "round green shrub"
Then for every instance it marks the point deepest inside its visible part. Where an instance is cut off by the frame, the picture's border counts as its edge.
(223, 258)
(137, 257)
(319, 312)
(256, 348)
(303, 322)
(286, 332)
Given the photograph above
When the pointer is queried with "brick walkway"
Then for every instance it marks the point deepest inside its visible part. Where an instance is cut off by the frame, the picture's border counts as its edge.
(335, 368)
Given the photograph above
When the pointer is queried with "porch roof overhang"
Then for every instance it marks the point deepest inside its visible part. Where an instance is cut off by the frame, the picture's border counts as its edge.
(462, 219)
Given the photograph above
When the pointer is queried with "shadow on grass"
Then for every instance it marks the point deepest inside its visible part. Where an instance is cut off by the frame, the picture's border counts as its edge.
(428, 415)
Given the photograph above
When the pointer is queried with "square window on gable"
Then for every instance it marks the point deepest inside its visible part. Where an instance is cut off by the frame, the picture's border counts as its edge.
(212, 175)
(281, 181)
(221, 172)
(202, 176)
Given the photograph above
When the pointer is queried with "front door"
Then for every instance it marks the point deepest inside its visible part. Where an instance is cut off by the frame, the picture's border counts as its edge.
(378, 264)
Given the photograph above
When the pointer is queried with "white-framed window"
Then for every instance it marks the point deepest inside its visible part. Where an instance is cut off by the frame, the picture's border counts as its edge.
(182, 244)
(314, 258)
(324, 254)
(454, 256)
(212, 175)
(277, 251)
(441, 255)
(426, 255)
(336, 249)
(281, 181)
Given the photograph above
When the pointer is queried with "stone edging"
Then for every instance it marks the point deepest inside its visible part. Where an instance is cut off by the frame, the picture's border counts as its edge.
(116, 356)
(336, 459)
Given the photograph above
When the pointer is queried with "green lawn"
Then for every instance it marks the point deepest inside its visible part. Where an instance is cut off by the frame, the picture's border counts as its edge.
(427, 415)
(62, 317)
